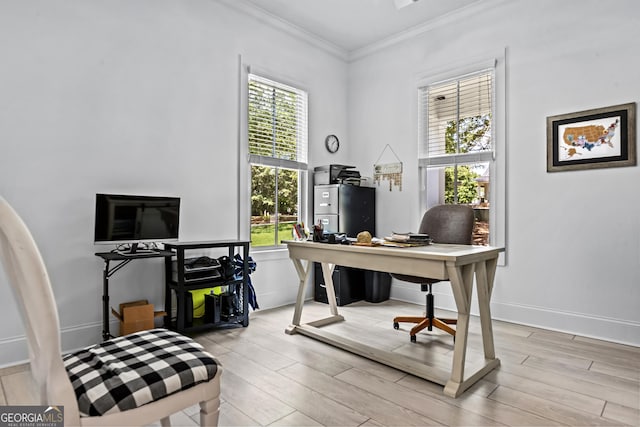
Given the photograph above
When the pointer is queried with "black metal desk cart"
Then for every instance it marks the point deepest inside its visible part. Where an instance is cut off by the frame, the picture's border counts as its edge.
(108, 271)
(178, 284)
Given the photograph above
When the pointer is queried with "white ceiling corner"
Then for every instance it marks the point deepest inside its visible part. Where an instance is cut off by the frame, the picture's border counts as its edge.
(351, 29)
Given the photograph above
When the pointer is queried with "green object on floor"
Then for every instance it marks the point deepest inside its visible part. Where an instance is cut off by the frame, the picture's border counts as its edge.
(197, 296)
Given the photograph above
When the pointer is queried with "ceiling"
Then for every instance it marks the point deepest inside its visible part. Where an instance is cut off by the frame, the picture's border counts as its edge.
(351, 25)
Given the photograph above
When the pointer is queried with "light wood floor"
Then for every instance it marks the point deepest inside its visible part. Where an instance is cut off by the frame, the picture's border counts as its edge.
(273, 379)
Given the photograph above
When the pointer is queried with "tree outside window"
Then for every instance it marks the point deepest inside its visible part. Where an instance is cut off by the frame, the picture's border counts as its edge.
(274, 204)
(456, 154)
(277, 149)
(467, 135)
(468, 184)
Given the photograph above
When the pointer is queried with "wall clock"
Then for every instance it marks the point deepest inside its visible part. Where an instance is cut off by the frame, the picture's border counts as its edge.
(332, 143)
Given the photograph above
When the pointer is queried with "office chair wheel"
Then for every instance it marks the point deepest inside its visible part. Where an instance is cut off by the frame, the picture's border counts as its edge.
(413, 338)
(396, 325)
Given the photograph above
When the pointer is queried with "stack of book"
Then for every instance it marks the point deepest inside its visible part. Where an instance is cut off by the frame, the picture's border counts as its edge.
(411, 239)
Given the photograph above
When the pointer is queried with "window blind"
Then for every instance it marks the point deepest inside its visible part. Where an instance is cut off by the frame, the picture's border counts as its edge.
(277, 124)
(450, 111)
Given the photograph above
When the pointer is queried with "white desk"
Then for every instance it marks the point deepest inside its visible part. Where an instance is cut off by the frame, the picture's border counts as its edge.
(456, 263)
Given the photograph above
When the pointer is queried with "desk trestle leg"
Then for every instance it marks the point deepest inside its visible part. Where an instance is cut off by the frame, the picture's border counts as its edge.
(303, 275)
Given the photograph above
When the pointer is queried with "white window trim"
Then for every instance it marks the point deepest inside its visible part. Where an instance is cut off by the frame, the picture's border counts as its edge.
(244, 163)
(498, 193)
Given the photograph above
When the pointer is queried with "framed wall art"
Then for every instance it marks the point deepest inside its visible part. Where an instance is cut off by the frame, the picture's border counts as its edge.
(599, 138)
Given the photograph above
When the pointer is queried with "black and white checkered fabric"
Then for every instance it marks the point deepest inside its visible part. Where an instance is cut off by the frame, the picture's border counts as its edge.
(130, 371)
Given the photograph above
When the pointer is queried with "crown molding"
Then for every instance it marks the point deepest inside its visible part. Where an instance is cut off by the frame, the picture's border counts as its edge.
(276, 22)
(286, 26)
(462, 13)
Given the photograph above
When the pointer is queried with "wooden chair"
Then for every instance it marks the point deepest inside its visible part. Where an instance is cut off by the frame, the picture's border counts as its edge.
(162, 372)
(444, 224)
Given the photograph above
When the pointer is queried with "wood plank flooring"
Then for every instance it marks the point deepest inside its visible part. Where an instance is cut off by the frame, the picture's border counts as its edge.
(273, 379)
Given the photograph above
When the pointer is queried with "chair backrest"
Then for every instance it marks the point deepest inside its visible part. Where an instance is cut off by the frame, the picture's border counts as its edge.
(29, 281)
(449, 224)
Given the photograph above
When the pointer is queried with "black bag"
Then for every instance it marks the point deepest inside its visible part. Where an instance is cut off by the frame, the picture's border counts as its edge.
(227, 269)
(231, 303)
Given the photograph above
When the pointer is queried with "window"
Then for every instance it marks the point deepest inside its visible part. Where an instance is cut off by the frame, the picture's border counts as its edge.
(457, 147)
(277, 135)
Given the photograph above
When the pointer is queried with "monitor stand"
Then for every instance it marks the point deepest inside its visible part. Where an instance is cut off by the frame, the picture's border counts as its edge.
(135, 250)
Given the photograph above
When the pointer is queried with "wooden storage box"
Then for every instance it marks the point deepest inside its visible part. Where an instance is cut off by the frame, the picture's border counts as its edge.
(136, 316)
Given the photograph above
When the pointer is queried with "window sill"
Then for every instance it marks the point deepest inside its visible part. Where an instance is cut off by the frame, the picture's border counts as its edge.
(269, 253)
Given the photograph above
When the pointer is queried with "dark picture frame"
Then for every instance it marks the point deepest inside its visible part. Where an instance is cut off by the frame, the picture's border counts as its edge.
(592, 139)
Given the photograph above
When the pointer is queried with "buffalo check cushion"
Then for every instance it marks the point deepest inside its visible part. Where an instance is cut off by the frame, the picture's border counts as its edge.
(130, 371)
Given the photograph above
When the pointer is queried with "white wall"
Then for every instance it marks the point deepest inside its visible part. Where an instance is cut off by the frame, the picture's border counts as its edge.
(142, 97)
(138, 97)
(573, 238)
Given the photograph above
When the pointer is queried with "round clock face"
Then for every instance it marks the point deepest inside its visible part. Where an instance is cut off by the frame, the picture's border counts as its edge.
(332, 143)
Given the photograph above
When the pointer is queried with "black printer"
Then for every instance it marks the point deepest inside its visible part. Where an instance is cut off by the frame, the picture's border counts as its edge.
(335, 174)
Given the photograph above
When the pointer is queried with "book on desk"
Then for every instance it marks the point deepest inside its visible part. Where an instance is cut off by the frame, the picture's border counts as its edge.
(407, 239)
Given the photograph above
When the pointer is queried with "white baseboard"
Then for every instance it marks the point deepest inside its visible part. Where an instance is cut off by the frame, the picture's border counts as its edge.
(13, 351)
(586, 325)
(598, 327)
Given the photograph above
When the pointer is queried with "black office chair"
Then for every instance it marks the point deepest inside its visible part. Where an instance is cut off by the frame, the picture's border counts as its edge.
(444, 224)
